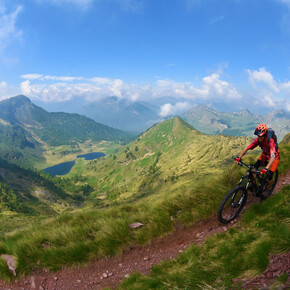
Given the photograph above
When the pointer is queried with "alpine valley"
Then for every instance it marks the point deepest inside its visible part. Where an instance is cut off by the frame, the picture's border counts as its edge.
(169, 177)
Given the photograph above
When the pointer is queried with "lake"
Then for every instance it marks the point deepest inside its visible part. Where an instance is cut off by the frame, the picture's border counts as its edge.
(65, 167)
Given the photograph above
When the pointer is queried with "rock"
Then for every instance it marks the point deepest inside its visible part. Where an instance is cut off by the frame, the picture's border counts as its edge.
(120, 265)
(198, 235)
(136, 225)
(105, 275)
(79, 281)
(180, 251)
(55, 278)
(172, 218)
(127, 276)
(41, 288)
(33, 285)
(145, 259)
(225, 229)
(269, 275)
(11, 263)
(110, 274)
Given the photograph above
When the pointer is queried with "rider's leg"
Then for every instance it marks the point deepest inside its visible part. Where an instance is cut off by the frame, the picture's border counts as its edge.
(270, 174)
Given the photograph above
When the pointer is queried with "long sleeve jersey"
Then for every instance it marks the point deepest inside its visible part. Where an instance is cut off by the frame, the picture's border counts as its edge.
(268, 148)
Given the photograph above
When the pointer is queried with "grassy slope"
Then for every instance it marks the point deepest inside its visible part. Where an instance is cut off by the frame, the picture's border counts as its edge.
(148, 189)
(242, 252)
(171, 157)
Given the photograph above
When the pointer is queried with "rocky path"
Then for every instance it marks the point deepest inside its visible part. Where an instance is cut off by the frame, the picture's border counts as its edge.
(108, 272)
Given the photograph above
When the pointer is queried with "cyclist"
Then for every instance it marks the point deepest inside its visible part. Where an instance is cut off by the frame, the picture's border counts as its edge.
(270, 153)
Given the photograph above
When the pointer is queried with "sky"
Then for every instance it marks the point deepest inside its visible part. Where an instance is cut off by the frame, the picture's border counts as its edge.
(231, 52)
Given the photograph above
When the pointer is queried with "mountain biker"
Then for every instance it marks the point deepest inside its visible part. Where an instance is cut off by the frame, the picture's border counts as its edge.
(270, 156)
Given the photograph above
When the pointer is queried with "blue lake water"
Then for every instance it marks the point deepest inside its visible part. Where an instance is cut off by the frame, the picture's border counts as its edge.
(65, 167)
(92, 156)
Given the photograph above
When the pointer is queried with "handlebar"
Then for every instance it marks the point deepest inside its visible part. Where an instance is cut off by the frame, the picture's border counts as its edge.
(251, 166)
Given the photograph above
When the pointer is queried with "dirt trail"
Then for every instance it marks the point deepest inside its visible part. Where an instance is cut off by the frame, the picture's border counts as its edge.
(108, 272)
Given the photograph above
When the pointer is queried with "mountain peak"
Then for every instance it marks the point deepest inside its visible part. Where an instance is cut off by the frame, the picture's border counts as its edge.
(21, 98)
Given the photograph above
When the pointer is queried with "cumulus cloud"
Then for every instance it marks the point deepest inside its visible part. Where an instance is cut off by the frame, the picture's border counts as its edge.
(212, 88)
(90, 89)
(170, 110)
(55, 88)
(261, 76)
(269, 92)
(8, 30)
(7, 91)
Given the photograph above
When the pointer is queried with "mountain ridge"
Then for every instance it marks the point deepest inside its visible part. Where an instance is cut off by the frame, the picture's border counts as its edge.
(210, 121)
(26, 125)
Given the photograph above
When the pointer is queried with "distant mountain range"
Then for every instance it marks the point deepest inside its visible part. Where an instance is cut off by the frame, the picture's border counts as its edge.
(25, 126)
(138, 116)
(242, 123)
(122, 114)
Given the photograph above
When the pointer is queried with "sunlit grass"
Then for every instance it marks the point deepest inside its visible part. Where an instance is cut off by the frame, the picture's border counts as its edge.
(182, 177)
(240, 253)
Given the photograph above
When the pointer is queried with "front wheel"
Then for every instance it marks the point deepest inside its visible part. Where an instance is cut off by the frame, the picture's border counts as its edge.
(232, 204)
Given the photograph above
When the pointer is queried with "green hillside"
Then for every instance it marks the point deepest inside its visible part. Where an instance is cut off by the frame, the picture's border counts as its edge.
(27, 130)
(168, 159)
(171, 170)
(27, 194)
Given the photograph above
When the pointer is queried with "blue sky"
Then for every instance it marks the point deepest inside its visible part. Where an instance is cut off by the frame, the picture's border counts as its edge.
(203, 51)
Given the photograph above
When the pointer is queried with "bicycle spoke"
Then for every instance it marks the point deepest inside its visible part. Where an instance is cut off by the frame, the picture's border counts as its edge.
(232, 205)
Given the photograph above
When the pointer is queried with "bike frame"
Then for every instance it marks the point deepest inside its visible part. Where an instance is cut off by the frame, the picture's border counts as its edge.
(251, 179)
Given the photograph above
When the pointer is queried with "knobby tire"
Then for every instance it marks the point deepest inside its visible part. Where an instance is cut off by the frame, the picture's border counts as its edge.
(232, 204)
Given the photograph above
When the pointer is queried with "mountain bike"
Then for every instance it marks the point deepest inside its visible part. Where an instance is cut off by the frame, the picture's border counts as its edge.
(235, 200)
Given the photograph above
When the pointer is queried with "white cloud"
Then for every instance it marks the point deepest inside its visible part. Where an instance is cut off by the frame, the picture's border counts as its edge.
(170, 110)
(269, 92)
(50, 78)
(262, 77)
(48, 89)
(212, 88)
(31, 76)
(8, 30)
(89, 90)
(268, 101)
(7, 91)
(287, 2)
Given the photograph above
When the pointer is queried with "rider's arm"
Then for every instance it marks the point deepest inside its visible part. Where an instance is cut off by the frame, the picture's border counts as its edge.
(272, 153)
(243, 152)
(272, 159)
(253, 145)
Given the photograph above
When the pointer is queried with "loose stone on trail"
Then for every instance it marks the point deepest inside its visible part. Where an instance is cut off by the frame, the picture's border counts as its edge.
(136, 225)
(11, 263)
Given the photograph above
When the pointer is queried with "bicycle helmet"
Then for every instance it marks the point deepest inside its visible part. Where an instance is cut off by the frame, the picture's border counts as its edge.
(261, 130)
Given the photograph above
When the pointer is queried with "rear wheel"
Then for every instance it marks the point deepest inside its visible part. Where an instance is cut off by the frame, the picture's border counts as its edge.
(232, 204)
(270, 185)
